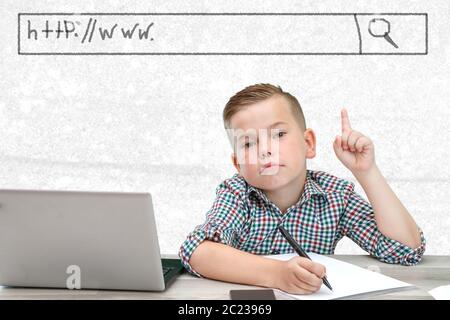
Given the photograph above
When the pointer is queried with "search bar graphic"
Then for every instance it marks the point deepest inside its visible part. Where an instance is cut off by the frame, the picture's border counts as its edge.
(222, 34)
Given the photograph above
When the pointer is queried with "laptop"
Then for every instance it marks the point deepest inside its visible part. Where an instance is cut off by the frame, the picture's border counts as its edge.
(81, 240)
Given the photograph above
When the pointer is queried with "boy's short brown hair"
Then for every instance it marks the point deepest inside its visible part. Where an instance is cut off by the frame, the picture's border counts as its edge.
(256, 93)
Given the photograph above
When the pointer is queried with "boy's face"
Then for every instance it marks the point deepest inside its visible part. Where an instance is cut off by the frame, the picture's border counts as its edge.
(270, 148)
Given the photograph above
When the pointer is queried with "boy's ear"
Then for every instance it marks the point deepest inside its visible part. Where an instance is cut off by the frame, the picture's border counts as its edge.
(235, 162)
(310, 143)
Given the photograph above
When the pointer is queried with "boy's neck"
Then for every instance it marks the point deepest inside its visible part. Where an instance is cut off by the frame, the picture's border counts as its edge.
(289, 194)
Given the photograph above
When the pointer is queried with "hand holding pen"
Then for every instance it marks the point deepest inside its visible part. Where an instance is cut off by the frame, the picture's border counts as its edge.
(300, 275)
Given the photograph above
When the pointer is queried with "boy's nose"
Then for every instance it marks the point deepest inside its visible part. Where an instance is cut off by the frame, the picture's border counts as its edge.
(264, 147)
(264, 154)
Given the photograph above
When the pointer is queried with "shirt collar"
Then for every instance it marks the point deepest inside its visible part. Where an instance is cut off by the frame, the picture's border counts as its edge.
(310, 189)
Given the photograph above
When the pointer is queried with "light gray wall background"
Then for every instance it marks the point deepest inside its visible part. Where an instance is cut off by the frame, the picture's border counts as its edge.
(153, 123)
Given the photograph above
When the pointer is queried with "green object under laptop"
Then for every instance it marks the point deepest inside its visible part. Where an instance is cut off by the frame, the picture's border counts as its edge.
(171, 268)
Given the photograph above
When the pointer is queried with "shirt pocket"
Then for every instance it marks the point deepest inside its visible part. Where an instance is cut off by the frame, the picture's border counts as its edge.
(258, 233)
(318, 231)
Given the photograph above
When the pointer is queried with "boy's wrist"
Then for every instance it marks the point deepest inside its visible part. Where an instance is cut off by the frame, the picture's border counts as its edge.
(273, 271)
(366, 176)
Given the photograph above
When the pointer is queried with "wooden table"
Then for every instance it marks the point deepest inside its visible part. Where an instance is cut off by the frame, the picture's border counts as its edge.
(431, 272)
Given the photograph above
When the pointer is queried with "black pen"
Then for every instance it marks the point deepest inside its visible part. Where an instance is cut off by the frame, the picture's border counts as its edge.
(300, 251)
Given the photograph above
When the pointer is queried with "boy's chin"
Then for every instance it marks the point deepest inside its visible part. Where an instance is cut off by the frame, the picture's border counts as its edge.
(274, 181)
(270, 182)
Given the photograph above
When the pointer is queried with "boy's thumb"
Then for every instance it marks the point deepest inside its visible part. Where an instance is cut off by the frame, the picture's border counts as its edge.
(337, 145)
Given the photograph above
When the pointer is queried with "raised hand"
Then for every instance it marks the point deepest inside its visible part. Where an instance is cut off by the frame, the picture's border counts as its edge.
(355, 150)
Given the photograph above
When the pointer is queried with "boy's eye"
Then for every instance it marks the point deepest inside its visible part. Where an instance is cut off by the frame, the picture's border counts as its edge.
(248, 144)
(280, 134)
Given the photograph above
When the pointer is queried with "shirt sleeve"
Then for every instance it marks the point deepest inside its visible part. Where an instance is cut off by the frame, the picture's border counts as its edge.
(223, 224)
(359, 224)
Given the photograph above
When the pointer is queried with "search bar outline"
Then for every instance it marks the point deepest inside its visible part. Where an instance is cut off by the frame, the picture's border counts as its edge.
(357, 31)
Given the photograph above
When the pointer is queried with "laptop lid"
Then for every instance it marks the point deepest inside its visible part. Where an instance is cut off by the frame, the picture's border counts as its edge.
(107, 239)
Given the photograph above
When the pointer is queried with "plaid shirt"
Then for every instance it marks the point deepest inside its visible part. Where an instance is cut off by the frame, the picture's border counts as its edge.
(243, 217)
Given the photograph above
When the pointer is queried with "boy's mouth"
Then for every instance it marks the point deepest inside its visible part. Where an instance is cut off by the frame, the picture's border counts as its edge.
(270, 168)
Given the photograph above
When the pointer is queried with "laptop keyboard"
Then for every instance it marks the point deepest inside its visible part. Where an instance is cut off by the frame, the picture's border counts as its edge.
(166, 270)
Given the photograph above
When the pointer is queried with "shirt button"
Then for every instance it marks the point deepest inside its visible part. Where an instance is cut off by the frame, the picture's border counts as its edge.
(275, 251)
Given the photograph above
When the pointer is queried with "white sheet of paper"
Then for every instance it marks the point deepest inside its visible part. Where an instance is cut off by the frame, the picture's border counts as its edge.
(441, 293)
(345, 278)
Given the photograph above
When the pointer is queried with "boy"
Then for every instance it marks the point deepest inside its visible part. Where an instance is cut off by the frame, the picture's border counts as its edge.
(270, 146)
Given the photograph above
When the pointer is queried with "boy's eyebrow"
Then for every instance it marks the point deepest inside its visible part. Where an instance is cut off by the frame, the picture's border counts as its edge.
(245, 136)
(269, 127)
(277, 124)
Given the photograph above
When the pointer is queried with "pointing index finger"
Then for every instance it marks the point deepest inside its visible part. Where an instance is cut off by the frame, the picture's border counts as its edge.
(345, 121)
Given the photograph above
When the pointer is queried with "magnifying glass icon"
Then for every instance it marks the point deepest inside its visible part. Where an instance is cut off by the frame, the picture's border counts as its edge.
(380, 28)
